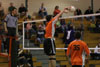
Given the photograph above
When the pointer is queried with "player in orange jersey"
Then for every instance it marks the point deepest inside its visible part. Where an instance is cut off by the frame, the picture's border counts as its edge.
(49, 44)
(75, 50)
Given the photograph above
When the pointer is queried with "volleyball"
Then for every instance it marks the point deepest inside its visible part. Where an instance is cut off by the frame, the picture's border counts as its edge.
(72, 8)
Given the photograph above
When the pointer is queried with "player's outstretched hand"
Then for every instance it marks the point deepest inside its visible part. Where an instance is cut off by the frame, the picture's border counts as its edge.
(66, 10)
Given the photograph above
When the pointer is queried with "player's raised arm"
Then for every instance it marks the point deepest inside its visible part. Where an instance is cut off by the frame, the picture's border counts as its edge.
(64, 11)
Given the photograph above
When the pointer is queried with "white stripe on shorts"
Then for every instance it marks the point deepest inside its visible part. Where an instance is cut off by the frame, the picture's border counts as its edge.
(53, 48)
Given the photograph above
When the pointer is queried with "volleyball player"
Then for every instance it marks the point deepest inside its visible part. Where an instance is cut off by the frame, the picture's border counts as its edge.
(49, 44)
(75, 50)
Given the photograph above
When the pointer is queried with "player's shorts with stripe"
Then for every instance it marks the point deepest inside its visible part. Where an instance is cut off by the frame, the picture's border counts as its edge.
(49, 47)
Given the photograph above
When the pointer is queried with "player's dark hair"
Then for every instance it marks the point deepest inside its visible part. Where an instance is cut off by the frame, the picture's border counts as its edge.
(48, 18)
(77, 35)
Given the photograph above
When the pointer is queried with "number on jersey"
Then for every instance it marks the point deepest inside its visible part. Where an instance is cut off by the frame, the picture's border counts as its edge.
(76, 47)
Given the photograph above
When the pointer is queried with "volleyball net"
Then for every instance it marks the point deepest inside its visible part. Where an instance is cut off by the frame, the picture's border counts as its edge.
(88, 25)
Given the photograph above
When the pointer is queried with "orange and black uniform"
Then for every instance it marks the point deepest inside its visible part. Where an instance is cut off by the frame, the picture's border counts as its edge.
(49, 44)
(75, 49)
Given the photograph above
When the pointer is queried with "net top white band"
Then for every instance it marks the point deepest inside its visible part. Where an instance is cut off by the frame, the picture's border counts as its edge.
(56, 48)
(96, 14)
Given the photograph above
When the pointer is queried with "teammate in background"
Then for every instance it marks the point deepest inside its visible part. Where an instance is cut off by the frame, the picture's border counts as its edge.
(49, 44)
(75, 50)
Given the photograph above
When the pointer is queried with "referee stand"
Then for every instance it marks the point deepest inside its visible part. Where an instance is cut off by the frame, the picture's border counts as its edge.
(11, 42)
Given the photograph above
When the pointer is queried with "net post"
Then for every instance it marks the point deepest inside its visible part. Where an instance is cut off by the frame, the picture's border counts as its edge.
(10, 43)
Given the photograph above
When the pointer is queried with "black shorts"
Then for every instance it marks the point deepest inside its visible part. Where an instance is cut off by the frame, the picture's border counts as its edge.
(49, 47)
(76, 65)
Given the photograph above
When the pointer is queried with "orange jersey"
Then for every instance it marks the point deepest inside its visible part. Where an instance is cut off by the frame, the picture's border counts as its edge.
(50, 28)
(75, 49)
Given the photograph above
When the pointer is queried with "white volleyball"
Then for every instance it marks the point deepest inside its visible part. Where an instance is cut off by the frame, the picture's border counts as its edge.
(72, 8)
